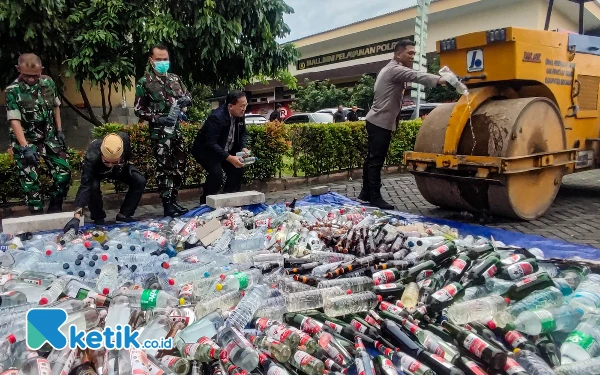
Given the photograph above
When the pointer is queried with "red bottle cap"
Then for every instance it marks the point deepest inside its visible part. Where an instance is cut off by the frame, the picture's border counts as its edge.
(105, 291)
(104, 257)
(349, 291)
(491, 324)
(87, 244)
(379, 298)
(165, 265)
(507, 300)
(171, 282)
(11, 338)
(43, 301)
(48, 252)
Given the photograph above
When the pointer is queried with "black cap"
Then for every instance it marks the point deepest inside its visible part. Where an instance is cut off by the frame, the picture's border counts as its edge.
(132, 248)
(70, 273)
(65, 266)
(91, 263)
(119, 268)
(133, 267)
(81, 273)
(143, 248)
(94, 257)
(105, 247)
(78, 262)
(119, 246)
(97, 271)
(80, 257)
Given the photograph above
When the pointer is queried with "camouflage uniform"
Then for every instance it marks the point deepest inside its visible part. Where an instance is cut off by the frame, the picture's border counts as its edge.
(153, 98)
(34, 107)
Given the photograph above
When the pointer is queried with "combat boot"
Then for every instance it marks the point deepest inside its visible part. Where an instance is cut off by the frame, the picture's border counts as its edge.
(179, 208)
(169, 208)
(55, 205)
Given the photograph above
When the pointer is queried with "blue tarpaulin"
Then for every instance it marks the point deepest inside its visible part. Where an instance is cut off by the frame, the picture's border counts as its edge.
(551, 248)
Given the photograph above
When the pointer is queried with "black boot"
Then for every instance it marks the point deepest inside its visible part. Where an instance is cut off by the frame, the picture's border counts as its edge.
(363, 196)
(182, 210)
(124, 219)
(169, 209)
(379, 202)
(55, 205)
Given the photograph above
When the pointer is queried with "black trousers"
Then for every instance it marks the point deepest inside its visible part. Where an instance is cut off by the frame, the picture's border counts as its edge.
(136, 183)
(214, 178)
(378, 144)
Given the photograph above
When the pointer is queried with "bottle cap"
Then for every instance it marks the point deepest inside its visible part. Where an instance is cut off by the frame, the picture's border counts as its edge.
(43, 301)
(376, 282)
(182, 301)
(11, 338)
(516, 350)
(87, 244)
(492, 325)
(379, 298)
(349, 291)
(219, 287)
(507, 300)
(222, 276)
(48, 252)
(65, 266)
(171, 282)
(206, 274)
(165, 265)
(119, 246)
(105, 291)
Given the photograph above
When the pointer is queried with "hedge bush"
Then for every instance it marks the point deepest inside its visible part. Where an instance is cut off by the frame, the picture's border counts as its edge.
(313, 149)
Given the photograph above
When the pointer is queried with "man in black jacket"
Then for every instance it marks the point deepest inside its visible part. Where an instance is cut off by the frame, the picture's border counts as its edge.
(352, 115)
(108, 158)
(339, 115)
(219, 139)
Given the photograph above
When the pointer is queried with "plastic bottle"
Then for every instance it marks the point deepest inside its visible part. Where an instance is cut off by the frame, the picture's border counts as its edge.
(107, 280)
(53, 292)
(347, 304)
(584, 342)
(533, 364)
(133, 361)
(478, 309)
(118, 312)
(239, 350)
(245, 309)
(410, 297)
(240, 280)
(453, 80)
(539, 299)
(204, 327)
(587, 294)
(223, 302)
(12, 298)
(355, 284)
(563, 318)
(35, 366)
(310, 299)
(589, 367)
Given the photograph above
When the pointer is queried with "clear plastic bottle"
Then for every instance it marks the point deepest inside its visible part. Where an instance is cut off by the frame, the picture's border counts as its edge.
(477, 309)
(239, 350)
(133, 362)
(291, 286)
(223, 302)
(453, 80)
(330, 257)
(350, 303)
(54, 291)
(563, 318)
(35, 366)
(183, 277)
(155, 329)
(410, 296)
(584, 342)
(539, 299)
(587, 294)
(62, 361)
(204, 327)
(533, 364)
(108, 279)
(118, 312)
(355, 284)
(589, 367)
(473, 292)
(240, 280)
(310, 299)
(245, 309)
(12, 298)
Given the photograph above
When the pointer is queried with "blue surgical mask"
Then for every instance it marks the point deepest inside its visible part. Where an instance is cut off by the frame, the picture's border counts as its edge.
(162, 66)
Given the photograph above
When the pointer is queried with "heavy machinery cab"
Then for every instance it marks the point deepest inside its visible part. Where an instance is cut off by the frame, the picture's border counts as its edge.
(531, 116)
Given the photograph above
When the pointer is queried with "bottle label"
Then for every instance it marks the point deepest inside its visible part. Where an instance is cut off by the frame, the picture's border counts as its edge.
(525, 281)
(275, 370)
(518, 270)
(309, 326)
(585, 342)
(592, 296)
(475, 345)
(187, 291)
(510, 260)
(7, 294)
(413, 328)
(207, 341)
(5, 278)
(304, 338)
(43, 366)
(32, 281)
(360, 366)
(490, 272)
(439, 251)
(190, 349)
(302, 358)
(359, 326)
(180, 319)
(433, 346)
(242, 279)
(386, 306)
(149, 298)
(475, 369)
(333, 352)
(423, 275)
(384, 277)
(446, 293)
(514, 338)
(546, 320)
(263, 223)
(279, 332)
(387, 286)
(139, 362)
(458, 266)
(329, 363)
(69, 363)
(336, 327)
(263, 323)
(410, 363)
(369, 319)
(153, 369)
(169, 360)
(425, 283)
(512, 367)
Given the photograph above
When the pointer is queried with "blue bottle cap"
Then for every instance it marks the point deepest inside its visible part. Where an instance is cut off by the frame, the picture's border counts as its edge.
(563, 286)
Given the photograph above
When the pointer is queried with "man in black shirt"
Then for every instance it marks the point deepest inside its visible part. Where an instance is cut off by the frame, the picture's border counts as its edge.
(221, 137)
(108, 158)
(339, 115)
(352, 115)
(276, 114)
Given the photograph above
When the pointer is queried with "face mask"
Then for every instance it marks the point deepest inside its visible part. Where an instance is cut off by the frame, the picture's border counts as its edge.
(162, 66)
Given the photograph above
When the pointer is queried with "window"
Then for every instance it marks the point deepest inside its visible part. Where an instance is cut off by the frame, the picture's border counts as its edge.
(322, 118)
(297, 119)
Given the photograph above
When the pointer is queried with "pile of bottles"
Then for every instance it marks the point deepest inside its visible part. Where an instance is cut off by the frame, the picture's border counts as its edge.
(309, 290)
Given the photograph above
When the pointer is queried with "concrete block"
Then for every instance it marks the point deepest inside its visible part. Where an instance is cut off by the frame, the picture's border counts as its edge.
(37, 223)
(319, 190)
(206, 229)
(212, 237)
(243, 198)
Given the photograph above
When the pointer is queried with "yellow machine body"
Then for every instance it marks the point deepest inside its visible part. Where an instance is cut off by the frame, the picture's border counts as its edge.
(530, 116)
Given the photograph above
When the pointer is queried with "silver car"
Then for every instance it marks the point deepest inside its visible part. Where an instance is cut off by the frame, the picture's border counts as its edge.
(255, 119)
(309, 118)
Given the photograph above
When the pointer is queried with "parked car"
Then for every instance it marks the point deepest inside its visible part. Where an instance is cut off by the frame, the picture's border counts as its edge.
(409, 112)
(253, 118)
(360, 112)
(312, 118)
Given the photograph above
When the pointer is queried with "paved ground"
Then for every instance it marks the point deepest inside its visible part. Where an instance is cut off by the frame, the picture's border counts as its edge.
(574, 216)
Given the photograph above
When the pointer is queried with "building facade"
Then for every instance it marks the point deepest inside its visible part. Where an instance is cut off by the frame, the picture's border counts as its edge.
(344, 54)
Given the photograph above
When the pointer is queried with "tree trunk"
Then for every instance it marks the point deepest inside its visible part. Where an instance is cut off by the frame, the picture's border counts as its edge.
(88, 107)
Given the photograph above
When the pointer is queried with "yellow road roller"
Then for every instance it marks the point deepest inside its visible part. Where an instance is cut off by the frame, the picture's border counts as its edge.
(530, 117)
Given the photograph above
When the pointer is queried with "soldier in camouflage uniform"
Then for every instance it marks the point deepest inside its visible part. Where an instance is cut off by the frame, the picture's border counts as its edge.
(33, 110)
(155, 93)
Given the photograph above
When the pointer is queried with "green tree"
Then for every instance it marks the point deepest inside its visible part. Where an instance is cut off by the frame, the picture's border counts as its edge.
(318, 95)
(200, 108)
(440, 94)
(105, 42)
(363, 92)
